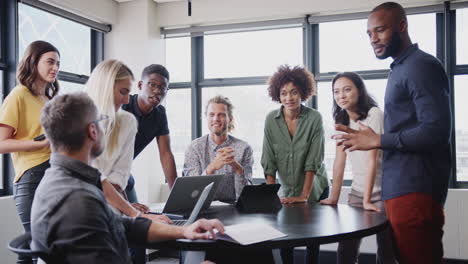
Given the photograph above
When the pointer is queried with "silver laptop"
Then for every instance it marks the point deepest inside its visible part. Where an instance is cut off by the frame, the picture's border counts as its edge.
(198, 206)
(185, 193)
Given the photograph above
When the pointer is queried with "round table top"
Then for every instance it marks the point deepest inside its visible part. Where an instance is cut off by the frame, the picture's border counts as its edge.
(304, 225)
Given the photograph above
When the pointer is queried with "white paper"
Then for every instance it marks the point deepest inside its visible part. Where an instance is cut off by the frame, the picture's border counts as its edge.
(246, 234)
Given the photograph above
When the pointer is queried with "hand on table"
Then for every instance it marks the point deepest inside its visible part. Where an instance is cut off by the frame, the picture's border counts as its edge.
(157, 218)
(328, 202)
(141, 207)
(204, 229)
(370, 206)
(291, 200)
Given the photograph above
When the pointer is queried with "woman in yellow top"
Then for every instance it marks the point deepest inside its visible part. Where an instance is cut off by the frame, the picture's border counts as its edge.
(20, 123)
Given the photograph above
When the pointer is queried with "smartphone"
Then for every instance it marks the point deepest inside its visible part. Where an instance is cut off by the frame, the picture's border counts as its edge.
(39, 138)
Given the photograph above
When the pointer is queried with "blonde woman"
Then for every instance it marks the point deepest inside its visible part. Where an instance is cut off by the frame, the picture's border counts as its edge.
(109, 86)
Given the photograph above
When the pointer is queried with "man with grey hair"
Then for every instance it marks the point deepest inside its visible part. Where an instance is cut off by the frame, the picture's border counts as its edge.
(220, 153)
(71, 220)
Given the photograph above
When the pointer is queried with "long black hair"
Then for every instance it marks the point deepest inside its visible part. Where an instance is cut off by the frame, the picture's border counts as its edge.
(364, 104)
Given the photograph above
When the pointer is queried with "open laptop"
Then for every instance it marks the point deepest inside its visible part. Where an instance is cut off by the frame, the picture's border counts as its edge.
(185, 193)
(198, 206)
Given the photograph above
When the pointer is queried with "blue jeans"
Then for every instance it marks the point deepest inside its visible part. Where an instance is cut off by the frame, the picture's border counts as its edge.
(130, 190)
(23, 193)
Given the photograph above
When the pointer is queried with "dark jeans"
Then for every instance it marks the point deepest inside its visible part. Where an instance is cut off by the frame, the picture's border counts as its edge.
(23, 193)
(313, 252)
(130, 190)
(138, 254)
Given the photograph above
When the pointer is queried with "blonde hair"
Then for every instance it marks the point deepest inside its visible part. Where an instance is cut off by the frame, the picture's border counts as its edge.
(100, 87)
(219, 99)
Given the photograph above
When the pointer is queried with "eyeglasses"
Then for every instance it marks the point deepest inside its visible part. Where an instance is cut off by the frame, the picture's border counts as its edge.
(101, 118)
(162, 88)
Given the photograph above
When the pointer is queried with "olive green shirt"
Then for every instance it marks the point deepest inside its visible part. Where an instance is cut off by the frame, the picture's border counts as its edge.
(292, 157)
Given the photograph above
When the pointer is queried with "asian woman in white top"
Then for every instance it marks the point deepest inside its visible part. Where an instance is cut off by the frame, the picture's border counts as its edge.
(353, 106)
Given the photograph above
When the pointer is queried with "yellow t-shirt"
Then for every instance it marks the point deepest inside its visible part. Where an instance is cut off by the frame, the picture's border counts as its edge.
(21, 110)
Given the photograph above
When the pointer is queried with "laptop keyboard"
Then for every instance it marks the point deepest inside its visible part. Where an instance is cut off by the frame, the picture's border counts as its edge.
(179, 222)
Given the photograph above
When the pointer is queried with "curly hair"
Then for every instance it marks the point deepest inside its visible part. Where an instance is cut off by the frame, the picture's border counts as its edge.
(299, 76)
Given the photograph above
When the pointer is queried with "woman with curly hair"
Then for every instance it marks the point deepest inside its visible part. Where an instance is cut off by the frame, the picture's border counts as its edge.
(293, 144)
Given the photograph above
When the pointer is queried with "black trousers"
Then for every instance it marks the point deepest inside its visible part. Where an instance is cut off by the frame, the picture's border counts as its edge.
(23, 193)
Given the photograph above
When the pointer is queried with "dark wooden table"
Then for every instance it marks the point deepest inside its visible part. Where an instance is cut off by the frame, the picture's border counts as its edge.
(304, 225)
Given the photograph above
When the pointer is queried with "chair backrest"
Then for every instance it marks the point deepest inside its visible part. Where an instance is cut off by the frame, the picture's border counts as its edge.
(20, 246)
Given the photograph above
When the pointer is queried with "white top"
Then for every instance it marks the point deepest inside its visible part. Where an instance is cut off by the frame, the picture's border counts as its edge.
(359, 159)
(116, 166)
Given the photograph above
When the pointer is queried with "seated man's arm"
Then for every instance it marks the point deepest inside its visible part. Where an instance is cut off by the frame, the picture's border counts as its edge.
(80, 231)
(201, 229)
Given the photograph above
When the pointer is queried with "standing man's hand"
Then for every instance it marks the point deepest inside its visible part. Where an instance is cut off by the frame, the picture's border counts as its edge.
(363, 139)
(204, 229)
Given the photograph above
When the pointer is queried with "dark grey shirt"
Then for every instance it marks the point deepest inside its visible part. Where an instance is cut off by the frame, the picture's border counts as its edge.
(417, 125)
(72, 222)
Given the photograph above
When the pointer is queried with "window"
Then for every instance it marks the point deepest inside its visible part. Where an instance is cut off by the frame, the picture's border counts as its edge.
(251, 105)
(376, 89)
(255, 53)
(73, 40)
(69, 87)
(351, 51)
(461, 126)
(178, 109)
(178, 60)
(462, 36)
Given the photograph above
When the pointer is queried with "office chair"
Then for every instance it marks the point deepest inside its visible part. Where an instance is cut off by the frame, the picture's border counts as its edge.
(20, 246)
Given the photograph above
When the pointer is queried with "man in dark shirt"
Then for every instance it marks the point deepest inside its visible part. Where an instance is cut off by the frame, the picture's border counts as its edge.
(152, 121)
(416, 142)
(70, 218)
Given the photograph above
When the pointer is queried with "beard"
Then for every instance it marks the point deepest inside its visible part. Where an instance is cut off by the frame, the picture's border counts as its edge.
(393, 47)
(220, 131)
